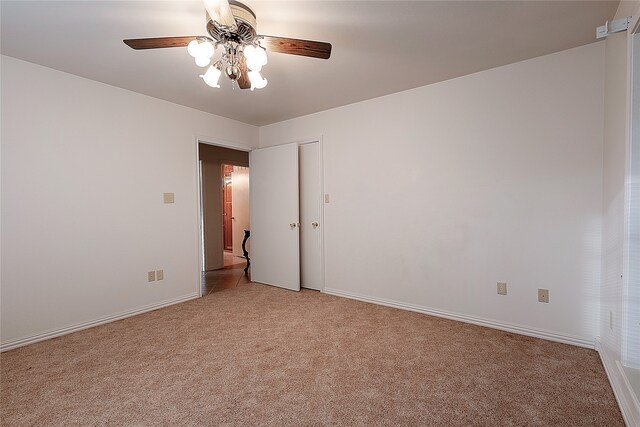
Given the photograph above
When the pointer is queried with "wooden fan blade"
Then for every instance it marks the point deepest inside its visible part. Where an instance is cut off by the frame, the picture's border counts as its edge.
(297, 47)
(159, 42)
(220, 12)
(243, 80)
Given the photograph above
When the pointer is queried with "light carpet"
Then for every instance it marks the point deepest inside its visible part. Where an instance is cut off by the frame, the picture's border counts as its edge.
(258, 355)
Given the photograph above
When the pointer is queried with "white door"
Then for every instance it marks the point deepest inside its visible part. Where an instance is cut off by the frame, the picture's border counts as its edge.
(275, 240)
(240, 206)
(310, 208)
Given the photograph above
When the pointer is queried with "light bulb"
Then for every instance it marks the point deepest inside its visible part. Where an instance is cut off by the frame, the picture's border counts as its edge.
(197, 48)
(256, 57)
(257, 82)
(212, 76)
(254, 65)
(202, 61)
(207, 49)
(250, 55)
(193, 48)
(261, 56)
(249, 51)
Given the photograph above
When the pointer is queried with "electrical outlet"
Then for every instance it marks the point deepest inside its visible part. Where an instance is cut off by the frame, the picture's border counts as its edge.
(159, 274)
(502, 288)
(151, 276)
(543, 295)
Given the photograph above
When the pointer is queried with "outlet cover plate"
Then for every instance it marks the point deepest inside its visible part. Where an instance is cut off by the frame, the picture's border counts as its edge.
(543, 295)
(151, 276)
(168, 197)
(159, 274)
(502, 288)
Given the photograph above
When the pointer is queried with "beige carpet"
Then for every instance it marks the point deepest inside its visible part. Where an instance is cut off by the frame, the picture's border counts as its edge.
(258, 355)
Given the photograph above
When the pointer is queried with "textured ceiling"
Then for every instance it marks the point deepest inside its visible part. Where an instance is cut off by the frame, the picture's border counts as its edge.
(379, 47)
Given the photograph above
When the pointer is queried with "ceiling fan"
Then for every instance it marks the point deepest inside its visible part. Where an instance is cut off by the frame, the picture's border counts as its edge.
(233, 26)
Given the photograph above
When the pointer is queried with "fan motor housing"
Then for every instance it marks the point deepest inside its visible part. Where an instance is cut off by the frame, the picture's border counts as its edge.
(246, 22)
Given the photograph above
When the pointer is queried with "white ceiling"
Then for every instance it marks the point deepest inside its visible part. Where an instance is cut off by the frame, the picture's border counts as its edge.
(379, 47)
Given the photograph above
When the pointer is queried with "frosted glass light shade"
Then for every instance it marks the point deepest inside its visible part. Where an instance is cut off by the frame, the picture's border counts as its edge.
(193, 48)
(256, 57)
(202, 61)
(212, 76)
(197, 48)
(257, 81)
(207, 49)
(261, 55)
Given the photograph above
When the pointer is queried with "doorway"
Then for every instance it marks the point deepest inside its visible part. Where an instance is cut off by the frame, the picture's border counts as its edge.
(235, 211)
(227, 208)
(224, 212)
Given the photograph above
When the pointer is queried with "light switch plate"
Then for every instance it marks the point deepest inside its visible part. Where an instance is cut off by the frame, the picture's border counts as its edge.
(159, 274)
(168, 197)
(502, 288)
(326, 198)
(151, 276)
(543, 295)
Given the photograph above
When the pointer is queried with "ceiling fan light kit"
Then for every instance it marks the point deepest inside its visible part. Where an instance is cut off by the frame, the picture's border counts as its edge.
(202, 51)
(233, 26)
(212, 76)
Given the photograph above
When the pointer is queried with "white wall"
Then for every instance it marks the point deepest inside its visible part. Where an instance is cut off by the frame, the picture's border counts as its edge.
(84, 166)
(439, 192)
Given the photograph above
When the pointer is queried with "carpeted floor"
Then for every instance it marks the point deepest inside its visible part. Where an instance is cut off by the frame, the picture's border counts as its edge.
(258, 355)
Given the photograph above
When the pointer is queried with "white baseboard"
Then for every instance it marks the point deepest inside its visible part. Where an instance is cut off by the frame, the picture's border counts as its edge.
(508, 327)
(21, 342)
(627, 400)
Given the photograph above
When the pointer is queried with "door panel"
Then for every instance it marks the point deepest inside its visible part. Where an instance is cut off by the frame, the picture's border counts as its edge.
(275, 240)
(212, 215)
(240, 197)
(227, 207)
(310, 208)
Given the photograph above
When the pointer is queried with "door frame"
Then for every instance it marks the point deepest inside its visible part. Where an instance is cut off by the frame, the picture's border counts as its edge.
(199, 139)
(198, 193)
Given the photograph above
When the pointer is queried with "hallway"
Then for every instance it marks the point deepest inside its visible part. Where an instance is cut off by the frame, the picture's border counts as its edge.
(228, 277)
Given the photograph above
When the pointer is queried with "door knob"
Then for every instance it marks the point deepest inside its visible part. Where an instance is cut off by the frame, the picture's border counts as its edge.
(233, 218)
(294, 225)
(315, 224)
